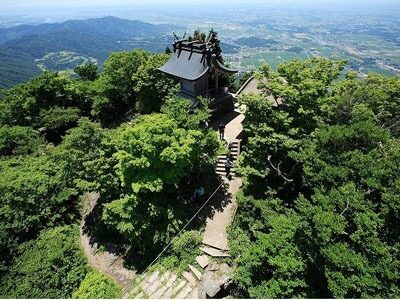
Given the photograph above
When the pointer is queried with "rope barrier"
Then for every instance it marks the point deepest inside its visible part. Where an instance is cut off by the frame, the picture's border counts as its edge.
(183, 228)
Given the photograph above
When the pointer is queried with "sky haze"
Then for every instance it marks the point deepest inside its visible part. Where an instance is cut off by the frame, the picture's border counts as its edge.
(50, 4)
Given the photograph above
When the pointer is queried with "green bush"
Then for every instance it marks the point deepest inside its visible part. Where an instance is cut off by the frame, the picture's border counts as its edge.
(97, 286)
(183, 251)
(186, 244)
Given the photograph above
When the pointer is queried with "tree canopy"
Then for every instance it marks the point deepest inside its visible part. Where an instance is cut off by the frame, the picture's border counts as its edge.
(318, 214)
(321, 173)
(52, 266)
(154, 155)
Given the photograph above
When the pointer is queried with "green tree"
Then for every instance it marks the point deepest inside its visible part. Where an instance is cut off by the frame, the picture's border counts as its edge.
(181, 110)
(115, 86)
(269, 263)
(87, 71)
(18, 140)
(154, 155)
(33, 196)
(151, 85)
(321, 186)
(50, 100)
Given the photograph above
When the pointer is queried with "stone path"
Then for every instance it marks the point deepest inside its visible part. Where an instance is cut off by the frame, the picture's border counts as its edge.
(105, 262)
(162, 284)
(215, 234)
(196, 283)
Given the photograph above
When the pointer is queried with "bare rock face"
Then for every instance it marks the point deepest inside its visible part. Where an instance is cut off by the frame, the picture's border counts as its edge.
(211, 287)
(215, 278)
(224, 272)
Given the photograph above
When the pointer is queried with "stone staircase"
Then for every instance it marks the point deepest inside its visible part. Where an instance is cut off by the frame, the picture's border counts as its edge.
(235, 151)
(199, 282)
(162, 284)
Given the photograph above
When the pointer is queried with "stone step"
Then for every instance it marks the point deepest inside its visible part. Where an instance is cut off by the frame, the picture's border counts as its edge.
(180, 284)
(235, 156)
(224, 174)
(222, 163)
(195, 294)
(141, 295)
(222, 166)
(135, 291)
(214, 252)
(157, 294)
(153, 287)
(171, 280)
(189, 277)
(168, 279)
(168, 294)
(148, 281)
(222, 170)
(203, 261)
(195, 272)
(207, 241)
(222, 160)
(184, 292)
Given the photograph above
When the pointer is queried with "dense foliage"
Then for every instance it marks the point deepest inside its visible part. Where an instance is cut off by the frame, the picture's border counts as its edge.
(155, 158)
(53, 150)
(319, 213)
(50, 267)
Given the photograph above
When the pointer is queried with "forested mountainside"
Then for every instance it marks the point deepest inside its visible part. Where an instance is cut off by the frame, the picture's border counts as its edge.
(26, 50)
(318, 214)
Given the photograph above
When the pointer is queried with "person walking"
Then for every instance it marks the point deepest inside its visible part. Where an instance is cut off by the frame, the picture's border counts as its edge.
(221, 129)
(228, 166)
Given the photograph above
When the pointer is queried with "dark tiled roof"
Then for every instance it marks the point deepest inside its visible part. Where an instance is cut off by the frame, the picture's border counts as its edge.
(190, 65)
(222, 68)
(192, 60)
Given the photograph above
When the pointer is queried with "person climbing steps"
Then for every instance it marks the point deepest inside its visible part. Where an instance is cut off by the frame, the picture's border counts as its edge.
(228, 166)
(221, 129)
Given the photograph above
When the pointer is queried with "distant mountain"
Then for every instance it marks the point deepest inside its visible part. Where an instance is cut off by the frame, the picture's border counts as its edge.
(96, 38)
(229, 49)
(108, 26)
(255, 42)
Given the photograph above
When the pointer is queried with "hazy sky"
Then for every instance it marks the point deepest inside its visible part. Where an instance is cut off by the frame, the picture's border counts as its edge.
(16, 4)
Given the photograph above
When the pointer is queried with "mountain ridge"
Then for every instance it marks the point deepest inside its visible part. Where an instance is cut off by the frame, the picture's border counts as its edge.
(94, 37)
